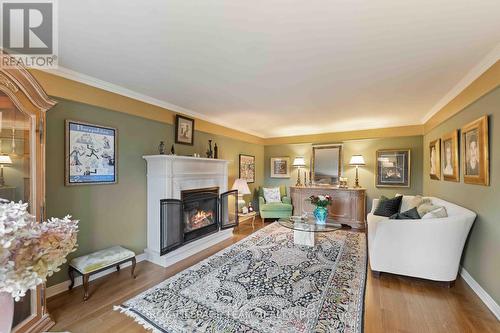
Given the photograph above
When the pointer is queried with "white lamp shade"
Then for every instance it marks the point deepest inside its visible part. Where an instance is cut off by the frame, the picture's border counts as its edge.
(299, 162)
(357, 160)
(5, 159)
(242, 186)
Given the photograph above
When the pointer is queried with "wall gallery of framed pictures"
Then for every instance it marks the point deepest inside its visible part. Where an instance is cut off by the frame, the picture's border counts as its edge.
(475, 154)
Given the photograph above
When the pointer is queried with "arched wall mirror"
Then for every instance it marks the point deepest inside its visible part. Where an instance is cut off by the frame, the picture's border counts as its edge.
(327, 164)
(23, 104)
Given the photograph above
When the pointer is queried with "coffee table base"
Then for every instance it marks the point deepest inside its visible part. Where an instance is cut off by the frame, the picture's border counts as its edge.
(304, 238)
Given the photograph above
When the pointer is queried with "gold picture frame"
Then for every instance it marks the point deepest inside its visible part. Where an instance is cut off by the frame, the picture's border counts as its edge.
(450, 157)
(475, 152)
(435, 159)
(393, 168)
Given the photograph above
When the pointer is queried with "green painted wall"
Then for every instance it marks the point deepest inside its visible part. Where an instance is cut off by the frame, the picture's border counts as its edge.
(481, 256)
(368, 149)
(116, 214)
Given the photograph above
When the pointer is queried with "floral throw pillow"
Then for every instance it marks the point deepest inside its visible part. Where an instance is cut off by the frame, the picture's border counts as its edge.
(272, 194)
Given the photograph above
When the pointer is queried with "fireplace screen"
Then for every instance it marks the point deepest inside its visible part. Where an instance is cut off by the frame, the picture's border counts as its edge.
(199, 212)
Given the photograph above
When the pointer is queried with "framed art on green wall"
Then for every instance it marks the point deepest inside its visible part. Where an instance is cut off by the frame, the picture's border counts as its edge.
(280, 167)
(247, 168)
(393, 168)
(90, 154)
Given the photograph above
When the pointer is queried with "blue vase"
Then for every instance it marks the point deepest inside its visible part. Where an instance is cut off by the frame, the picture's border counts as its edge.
(320, 213)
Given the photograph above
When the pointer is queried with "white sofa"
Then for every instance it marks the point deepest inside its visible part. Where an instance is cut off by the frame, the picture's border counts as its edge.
(427, 248)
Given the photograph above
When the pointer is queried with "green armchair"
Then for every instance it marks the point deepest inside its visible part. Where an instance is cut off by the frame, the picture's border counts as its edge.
(275, 210)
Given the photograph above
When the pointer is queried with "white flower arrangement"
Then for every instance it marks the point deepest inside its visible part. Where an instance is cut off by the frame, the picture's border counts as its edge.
(31, 251)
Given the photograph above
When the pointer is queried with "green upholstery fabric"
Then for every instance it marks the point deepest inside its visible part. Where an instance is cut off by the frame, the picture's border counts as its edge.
(275, 210)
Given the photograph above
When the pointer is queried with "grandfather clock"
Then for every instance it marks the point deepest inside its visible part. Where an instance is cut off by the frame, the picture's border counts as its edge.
(23, 105)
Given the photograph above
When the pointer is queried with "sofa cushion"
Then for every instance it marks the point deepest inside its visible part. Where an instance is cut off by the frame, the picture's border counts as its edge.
(100, 259)
(409, 201)
(426, 206)
(272, 194)
(436, 214)
(411, 214)
(387, 207)
(276, 206)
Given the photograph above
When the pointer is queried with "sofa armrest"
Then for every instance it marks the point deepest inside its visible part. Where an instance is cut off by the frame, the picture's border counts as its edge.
(286, 200)
(262, 201)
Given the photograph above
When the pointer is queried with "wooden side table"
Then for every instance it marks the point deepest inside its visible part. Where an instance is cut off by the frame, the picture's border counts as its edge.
(245, 217)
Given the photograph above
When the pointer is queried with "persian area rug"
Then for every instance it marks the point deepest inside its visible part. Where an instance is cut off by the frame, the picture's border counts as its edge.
(264, 283)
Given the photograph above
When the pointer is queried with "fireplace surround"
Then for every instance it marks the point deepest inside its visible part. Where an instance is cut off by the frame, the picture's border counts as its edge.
(174, 178)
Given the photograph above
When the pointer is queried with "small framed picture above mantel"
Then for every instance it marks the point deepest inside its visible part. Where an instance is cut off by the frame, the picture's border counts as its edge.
(184, 130)
(90, 154)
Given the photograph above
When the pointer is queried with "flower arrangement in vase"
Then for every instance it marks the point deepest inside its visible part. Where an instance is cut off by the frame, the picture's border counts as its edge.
(29, 252)
(321, 211)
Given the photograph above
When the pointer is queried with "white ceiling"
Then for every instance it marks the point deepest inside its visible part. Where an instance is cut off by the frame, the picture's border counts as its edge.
(282, 67)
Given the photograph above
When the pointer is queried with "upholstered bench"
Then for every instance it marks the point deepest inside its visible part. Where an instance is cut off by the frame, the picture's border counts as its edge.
(98, 261)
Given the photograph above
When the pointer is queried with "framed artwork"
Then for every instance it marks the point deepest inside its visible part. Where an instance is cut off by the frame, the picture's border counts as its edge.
(247, 168)
(90, 154)
(475, 154)
(184, 130)
(435, 159)
(450, 156)
(280, 167)
(393, 168)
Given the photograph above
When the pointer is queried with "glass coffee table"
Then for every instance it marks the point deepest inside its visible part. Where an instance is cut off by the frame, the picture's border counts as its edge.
(306, 229)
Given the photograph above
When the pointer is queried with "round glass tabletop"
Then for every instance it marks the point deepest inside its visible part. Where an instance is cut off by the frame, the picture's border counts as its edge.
(309, 224)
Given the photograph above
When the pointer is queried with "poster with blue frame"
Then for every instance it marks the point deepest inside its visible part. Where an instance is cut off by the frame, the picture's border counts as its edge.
(91, 154)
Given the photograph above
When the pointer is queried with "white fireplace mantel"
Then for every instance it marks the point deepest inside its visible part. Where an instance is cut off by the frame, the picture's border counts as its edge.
(167, 176)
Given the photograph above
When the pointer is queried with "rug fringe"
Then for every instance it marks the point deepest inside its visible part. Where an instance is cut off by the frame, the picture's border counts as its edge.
(138, 319)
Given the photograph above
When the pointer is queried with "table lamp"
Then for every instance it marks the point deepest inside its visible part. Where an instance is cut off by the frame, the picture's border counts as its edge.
(4, 160)
(357, 161)
(299, 162)
(242, 187)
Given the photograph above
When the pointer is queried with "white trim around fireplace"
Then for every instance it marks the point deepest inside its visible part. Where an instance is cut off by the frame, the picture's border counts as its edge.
(167, 177)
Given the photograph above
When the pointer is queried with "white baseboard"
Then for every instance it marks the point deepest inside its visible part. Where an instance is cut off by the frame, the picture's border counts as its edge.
(483, 295)
(63, 286)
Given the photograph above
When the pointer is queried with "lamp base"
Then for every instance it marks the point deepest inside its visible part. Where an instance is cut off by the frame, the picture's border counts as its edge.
(241, 203)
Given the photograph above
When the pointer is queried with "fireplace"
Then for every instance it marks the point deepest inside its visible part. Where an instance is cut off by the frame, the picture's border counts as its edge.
(198, 213)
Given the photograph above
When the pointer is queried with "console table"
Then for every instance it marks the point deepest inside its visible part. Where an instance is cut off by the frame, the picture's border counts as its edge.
(348, 204)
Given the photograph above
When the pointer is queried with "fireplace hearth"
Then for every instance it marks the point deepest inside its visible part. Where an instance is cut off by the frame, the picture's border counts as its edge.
(198, 213)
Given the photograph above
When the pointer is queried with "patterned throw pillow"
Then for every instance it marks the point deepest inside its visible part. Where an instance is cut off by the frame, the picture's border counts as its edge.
(387, 207)
(272, 194)
(411, 214)
(426, 206)
(436, 214)
(410, 201)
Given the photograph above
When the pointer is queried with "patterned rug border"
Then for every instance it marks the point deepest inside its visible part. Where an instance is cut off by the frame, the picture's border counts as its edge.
(149, 325)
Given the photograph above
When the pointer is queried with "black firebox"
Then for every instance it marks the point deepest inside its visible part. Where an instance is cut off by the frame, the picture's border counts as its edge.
(198, 213)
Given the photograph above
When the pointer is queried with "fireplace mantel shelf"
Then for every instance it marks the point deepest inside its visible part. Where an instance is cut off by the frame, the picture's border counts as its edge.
(178, 157)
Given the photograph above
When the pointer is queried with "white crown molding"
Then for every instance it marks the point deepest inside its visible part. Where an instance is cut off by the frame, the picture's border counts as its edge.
(483, 295)
(117, 89)
(489, 60)
(63, 286)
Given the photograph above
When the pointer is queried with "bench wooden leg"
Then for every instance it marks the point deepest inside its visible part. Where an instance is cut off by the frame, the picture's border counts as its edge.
(133, 267)
(86, 286)
(117, 268)
(71, 273)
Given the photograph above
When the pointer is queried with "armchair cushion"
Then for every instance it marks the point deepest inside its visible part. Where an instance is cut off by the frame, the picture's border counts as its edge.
(272, 194)
(282, 191)
(276, 206)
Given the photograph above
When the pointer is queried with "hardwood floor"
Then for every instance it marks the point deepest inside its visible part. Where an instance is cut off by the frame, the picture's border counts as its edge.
(392, 303)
